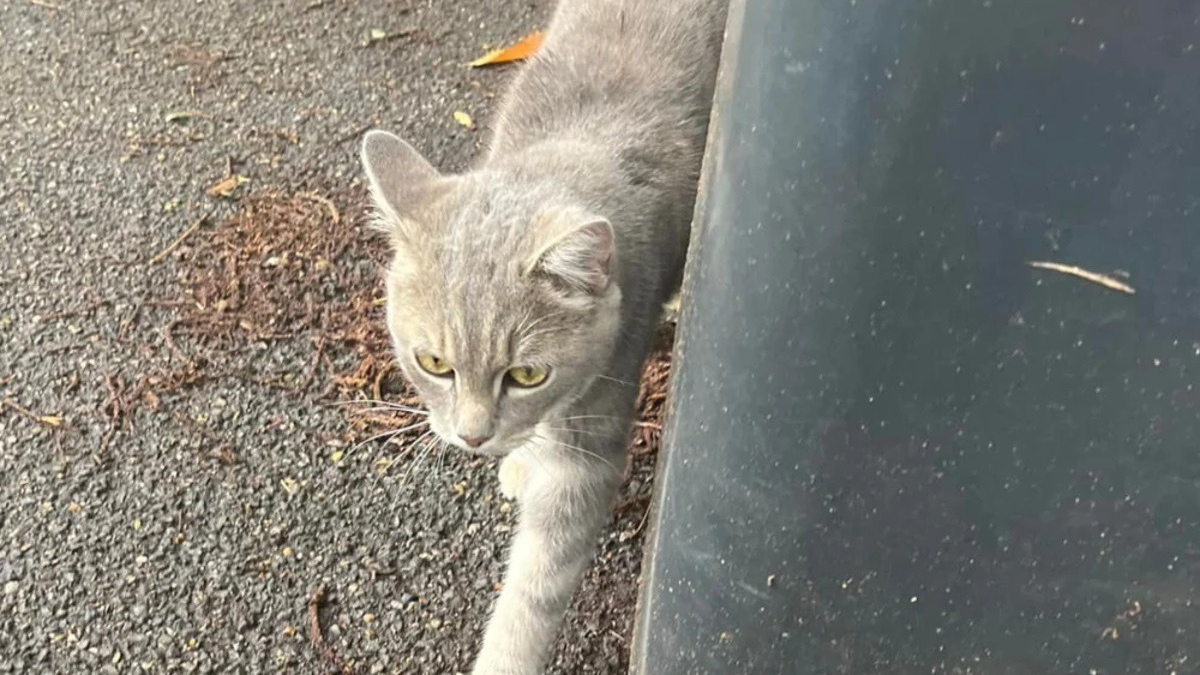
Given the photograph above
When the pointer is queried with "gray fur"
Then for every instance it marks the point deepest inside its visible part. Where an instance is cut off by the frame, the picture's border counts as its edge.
(558, 249)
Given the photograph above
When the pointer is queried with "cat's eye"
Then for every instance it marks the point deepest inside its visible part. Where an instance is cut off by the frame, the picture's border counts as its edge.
(434, 365)
(527, 376)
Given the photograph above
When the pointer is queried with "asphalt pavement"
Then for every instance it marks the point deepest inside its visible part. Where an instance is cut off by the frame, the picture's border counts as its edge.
(154, 554)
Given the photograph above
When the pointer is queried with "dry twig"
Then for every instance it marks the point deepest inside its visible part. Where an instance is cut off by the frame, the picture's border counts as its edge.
(113, 408)
(315, 634)
(162, 255)
(44, 420)
(1094, 277)
(54, 316)
(327, 203)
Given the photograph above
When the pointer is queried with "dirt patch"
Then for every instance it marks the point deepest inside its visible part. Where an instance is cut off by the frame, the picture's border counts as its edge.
(294, 268)
(281, 267)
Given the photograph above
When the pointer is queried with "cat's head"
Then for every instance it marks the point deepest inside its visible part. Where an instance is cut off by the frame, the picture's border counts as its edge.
(501, 300)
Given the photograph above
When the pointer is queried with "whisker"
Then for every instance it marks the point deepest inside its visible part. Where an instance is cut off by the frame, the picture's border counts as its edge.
(413, 446)
(613, 379)
(585, 451)
(572, 418)
(576, 431)
(388, 404)
(385, 408)
(578, 449)
(413, 466)
(440, 464)
(357, 401)
(419, 461)
(390, 433)
(420, 438)
(532, 455)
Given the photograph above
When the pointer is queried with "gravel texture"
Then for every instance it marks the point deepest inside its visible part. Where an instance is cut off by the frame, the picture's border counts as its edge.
(193, 539)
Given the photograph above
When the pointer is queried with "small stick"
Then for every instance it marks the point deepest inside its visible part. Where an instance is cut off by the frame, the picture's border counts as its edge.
(162, 255)
(377, 385)
(170, 340)
(47, 5)
(318, 638)
(52, 420)
(114, 400)
(333, 212)
(1102, 279)
(65, 348)
(126, 324)
(54, 316)
(631, 503)
(24, 412)
(645, 518)
(114, 413)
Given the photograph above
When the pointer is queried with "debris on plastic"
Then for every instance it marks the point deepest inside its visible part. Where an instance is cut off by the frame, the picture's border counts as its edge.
(1094, 277)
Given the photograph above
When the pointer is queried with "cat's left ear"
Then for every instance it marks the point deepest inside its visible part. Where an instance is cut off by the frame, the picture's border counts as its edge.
(399, 176)
(575, 250)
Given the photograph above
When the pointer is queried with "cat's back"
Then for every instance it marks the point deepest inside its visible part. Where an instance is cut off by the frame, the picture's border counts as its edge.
(615, 70)
(633, 27)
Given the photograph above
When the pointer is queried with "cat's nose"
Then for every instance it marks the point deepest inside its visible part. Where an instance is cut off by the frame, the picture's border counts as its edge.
(475, 441)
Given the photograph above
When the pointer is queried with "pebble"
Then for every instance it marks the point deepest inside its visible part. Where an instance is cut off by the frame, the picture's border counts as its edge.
(11, 587)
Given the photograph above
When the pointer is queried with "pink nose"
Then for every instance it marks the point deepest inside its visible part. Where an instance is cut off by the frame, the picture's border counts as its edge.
(475, 441)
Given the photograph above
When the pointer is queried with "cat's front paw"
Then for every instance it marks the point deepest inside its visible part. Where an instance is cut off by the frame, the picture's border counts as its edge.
(672, 308)
(513, 474)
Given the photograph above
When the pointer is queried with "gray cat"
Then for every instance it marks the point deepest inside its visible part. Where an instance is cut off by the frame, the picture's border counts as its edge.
(525, 293)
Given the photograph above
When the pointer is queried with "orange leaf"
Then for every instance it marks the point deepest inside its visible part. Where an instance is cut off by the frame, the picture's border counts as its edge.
(523, 49)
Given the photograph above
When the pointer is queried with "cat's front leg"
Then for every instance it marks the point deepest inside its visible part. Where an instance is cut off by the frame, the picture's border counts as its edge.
(565, 499)
(514, 471)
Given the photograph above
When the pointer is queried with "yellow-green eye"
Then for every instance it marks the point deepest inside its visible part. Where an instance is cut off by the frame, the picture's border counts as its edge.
(528, 376)
(433, 365)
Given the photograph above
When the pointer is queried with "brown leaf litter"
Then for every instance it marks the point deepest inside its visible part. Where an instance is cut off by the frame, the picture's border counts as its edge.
(290, 267)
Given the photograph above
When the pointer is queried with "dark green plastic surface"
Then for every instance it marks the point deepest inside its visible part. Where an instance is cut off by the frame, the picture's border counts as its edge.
(895, 447)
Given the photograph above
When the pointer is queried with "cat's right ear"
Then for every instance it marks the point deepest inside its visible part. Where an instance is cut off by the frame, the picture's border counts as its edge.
(399, 177)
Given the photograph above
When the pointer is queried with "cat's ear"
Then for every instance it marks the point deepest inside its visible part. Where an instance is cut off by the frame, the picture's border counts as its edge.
(575, 250)
(399, 177)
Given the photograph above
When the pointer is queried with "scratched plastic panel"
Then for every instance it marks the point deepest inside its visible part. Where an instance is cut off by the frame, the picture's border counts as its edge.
(895, 445)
